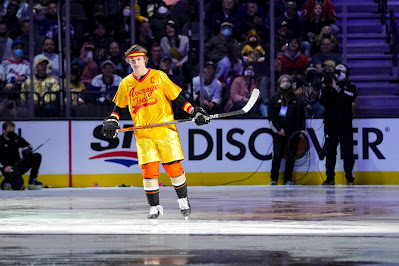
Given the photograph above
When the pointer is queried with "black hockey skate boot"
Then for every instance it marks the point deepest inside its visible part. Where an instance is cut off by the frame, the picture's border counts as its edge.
(184, 206)
(35, 184)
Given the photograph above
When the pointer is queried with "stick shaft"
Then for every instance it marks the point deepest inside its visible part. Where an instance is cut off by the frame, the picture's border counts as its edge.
(245, 109)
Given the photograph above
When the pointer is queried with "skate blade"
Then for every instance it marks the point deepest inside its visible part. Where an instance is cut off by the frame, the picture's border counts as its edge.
(154, 221)
(186, 218)
(34, 187)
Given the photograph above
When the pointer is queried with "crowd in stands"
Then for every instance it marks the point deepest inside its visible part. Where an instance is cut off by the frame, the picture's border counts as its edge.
(237, 53)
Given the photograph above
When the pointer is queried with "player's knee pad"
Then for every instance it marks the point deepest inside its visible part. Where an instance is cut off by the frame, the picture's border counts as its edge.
(173, 169)
(150, 170)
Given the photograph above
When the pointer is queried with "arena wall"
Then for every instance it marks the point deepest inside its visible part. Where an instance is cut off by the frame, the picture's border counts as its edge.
(225, 152)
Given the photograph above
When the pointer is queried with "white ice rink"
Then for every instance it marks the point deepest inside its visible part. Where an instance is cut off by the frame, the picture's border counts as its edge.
(241, 225)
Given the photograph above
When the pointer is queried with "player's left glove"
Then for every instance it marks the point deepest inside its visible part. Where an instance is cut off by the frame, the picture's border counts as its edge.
(110, 127)
(201, 116)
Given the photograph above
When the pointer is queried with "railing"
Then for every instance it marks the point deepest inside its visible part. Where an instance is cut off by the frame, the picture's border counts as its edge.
(394, 32)
(383, 9)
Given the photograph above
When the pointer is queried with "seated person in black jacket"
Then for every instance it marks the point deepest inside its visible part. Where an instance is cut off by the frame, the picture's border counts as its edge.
(13, 167)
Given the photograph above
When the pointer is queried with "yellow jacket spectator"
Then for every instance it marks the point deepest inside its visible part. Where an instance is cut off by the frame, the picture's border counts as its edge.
(42, 83)
(253, 51)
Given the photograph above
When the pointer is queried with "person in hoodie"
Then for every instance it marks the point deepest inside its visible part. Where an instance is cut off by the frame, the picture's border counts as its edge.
(286, 115)
(293, 61)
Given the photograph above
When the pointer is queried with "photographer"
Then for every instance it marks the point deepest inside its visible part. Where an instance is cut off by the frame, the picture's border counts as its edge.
(337, 96)
(13, 167)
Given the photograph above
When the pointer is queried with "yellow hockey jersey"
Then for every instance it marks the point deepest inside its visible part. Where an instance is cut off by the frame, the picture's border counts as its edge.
(149, 101)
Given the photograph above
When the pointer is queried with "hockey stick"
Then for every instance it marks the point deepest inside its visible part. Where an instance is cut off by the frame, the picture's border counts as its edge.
(251, 102)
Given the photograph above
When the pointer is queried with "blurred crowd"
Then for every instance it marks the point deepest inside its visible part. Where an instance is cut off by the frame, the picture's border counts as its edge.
(237, 52)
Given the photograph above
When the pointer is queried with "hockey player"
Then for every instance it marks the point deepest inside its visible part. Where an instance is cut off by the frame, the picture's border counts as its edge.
(149, 93)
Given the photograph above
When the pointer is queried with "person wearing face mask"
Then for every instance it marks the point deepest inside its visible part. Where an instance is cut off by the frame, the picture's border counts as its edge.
(240, 91)
(286, 116)
(50, 55)
(338, 99)
(158, 22)
(216, 47)
(13, 167)
(15, 68)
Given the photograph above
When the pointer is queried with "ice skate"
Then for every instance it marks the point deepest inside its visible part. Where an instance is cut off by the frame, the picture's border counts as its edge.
(35, 185)
(184, 206)
(155, 211)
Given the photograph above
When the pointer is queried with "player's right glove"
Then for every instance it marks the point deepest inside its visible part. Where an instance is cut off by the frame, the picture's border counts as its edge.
(201, 116)
(110, 127)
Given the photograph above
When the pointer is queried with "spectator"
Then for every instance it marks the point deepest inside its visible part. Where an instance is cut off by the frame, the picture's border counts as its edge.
(50, 55)
(308, 89)
(5, 42)
(228, 69)
(212, 89)
(328, 11)
(281, 39)
(241, 90)
(326, 53)
(324, 33)
(155, 56)
(216, 47)
(315, 22)
(45, 87)
(12, 21)
(117, 58)
(252, 20)
(15, 68)
(166, 66)
(293, 61)
(225, 14)
(106, 83)
(13, 166)
(50, 22)
(85, 61)
(24, 37)
(143, 38)
(101, 42)
(295, 23)
(286, 116)
(264, 88)
(77, 88)
(253, 51)
(337, 96)
(158, 21)
(174, 46)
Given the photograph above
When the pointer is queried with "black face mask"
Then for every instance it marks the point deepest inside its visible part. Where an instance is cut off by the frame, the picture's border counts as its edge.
(326, 35)
(3, 34)
(11, 135)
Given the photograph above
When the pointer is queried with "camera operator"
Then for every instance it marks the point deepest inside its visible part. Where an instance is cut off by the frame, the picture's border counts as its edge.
(13, 167)
(337, 96)
(286, 116)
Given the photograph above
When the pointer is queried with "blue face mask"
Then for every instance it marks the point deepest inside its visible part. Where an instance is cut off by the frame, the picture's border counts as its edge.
(226, 32)
(18, 52)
